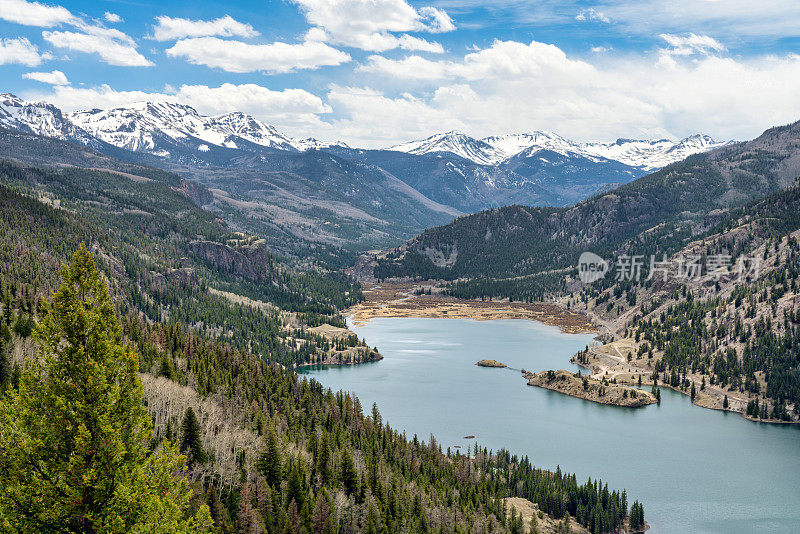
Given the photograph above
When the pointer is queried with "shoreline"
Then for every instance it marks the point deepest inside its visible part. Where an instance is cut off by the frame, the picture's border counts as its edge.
(590, 389)
(601, 361)
(398, 300)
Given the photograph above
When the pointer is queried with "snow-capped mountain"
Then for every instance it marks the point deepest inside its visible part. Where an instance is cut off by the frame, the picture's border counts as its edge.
(642, 154)
(162, 127)
(145, 126)
(239, 125)
(508, 146)
(454, 169)
(165, 129)
(311, 143)
(454, 143)
(39, 118)
(651, 155)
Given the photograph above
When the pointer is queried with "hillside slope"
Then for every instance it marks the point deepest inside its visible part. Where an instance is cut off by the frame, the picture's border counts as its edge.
(683, 198)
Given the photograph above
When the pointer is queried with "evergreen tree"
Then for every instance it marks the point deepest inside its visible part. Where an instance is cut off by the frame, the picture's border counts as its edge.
(5, 367)
(74, 439)
(323, 458)
(269, 463)
(348, 475)
(190, 438)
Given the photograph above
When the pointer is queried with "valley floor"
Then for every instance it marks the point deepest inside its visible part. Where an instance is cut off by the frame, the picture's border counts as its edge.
(400, 299)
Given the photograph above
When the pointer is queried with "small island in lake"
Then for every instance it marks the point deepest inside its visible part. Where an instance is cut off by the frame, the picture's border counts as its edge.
(490, 363)
(584, 387)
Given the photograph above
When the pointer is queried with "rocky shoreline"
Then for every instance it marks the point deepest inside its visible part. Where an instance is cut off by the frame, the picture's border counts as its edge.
(584, 387)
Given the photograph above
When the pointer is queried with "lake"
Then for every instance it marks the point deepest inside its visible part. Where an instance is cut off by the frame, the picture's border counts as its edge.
(696, 470)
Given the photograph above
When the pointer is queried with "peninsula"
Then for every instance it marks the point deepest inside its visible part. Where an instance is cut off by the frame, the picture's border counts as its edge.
(591, 389)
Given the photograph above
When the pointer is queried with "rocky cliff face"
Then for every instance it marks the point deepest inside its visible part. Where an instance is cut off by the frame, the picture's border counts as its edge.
(248, 261)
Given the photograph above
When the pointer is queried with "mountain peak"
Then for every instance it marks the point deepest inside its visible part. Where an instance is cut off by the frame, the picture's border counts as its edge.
(453, 142)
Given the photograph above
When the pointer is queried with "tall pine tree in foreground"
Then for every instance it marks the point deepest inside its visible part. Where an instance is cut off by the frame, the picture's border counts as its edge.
(74, 438)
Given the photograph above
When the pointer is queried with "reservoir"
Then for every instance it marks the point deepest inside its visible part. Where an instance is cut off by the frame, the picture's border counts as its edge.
(696, 470)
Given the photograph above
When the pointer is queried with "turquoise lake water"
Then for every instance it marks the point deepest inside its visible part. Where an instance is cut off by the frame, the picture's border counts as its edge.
(695, 470)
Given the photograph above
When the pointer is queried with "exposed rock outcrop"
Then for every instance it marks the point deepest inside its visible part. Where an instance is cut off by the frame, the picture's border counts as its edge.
(590, 389)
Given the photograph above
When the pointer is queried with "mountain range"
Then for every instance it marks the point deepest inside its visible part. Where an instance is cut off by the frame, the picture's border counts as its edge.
(670, 205)
(155, 127)
(642, 154)
(323, 195)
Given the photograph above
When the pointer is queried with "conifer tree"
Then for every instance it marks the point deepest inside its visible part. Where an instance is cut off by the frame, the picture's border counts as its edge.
(269, 463)
(348, 475)
(74, 439)
(191, 444)
(5, 367)
(323, 458)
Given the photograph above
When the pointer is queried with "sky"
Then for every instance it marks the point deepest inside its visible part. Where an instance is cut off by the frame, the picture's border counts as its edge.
(375, 73)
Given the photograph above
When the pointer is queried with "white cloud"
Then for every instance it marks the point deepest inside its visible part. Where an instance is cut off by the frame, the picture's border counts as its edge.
(113, 46)
(53, 78)
(502, 60)
(373, 119)
(688, 44)
(371, 24)
(601, 49)
(34, 13)
(592, 15)
(512, 86)
(169, 28)
(236, 56)
(408, 68)
(408, 42)
(295, 111)
(19, 50)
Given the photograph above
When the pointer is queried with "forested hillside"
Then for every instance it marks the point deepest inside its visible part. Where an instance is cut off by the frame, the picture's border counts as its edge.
(730, 335)
(678, 200)
(165, 257)
(216, 322)
(728, 338)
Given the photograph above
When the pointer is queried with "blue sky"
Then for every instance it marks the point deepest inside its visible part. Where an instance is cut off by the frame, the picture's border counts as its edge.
(377, 72)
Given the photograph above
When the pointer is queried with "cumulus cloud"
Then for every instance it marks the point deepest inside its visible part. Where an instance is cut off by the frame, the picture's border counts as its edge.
(113, 46)
(503, 59)
(34, 13)
(169, 28)
(237, 56)
(511, 86)
(53, 78)
(371, 24)
(295, 111)
(20, 51)
(372, 119)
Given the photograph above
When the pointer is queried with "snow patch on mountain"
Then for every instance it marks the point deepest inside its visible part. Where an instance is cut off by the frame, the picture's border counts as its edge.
(164, 128)
(646, 155)
(39, 118)
(454, 143)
